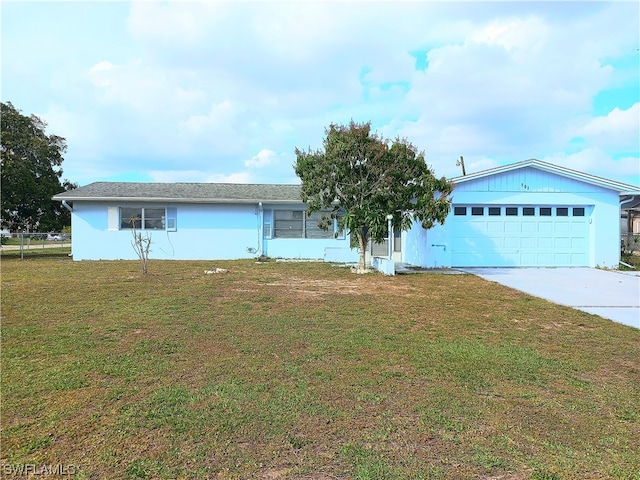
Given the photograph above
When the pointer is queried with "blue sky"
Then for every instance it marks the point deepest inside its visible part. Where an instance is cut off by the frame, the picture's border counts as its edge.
(225, 91)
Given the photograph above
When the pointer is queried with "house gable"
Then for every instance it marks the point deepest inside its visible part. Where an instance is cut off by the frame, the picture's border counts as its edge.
(535, 175)
(528, 180)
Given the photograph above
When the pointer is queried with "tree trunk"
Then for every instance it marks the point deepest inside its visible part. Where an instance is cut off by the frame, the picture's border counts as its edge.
(362, 243)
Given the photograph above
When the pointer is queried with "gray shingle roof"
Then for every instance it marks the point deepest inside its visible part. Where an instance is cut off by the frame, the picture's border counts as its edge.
(184, 192)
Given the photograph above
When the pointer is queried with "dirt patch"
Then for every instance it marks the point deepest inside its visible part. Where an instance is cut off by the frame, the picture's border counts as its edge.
(317, 287)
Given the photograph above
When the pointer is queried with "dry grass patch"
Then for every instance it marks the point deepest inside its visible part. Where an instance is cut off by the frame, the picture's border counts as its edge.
(285, 370)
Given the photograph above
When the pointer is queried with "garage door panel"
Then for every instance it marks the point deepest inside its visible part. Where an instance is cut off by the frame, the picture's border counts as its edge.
(545, 242)
(545, 259)
(483, 244)
(511, 227)
(496, 242)
(545, 227)
(495, 227)
(578, 227)
(512, 242)
(510, 259)
(578, 259)
(578, 243)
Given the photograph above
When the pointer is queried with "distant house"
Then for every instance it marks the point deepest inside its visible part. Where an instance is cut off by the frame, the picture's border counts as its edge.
(527, 214)
(630, 215)
(630, 224)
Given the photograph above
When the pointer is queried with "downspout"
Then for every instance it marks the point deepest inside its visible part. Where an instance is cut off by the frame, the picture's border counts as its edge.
(260, 230)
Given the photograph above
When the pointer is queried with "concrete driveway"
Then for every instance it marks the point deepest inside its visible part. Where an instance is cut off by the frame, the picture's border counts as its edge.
(611, 294)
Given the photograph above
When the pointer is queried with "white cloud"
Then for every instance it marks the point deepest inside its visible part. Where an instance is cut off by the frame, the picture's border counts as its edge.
(262, 159)
(239, 177)
(220, 116)
(619, 128)
(596, 161)
(515, 35)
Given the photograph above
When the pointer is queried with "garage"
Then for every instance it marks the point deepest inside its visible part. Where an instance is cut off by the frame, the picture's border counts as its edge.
(520, 235)
(526, 214)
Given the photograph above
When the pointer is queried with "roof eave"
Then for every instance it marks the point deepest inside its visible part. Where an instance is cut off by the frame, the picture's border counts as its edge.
(175, 200)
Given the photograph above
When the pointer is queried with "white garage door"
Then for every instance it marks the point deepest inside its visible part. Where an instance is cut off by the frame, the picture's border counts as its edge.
(520, 236)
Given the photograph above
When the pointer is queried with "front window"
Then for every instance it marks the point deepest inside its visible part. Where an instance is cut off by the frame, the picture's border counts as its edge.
(312, 229)
(288, 223)
(142, 218)
(153, 218)
(297, 224)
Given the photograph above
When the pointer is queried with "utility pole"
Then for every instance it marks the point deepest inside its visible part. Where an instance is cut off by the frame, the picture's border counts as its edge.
(461, 163)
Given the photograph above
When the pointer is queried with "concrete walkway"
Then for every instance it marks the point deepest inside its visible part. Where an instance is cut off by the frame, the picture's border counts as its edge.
(611, 294)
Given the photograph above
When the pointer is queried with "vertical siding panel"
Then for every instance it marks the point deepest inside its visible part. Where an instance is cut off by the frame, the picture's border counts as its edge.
(536, 180)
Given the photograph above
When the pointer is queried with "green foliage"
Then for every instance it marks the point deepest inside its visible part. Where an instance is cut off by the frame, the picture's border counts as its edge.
(362, 179)
(31, 169)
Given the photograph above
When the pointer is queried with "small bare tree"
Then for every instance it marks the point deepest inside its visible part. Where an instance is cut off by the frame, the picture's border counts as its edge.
(141, 245)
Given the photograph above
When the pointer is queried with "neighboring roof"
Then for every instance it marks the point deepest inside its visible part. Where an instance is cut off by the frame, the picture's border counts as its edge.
(184, 192)
(632, 203)
(621, 188)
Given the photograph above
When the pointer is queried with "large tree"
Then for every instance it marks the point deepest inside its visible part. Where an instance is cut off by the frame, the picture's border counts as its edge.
(31, 170)
(360, 178)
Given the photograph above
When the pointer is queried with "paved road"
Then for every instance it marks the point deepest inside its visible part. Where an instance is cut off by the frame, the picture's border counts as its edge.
(611, 294)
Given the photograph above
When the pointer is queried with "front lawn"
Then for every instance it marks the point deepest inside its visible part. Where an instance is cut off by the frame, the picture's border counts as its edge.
(305, 370)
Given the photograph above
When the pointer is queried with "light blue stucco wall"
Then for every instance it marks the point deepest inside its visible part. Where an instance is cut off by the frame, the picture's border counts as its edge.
(204, 232)
(426, 248)
(528, 186)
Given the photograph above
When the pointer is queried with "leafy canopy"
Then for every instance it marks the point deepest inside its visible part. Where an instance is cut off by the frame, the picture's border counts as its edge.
(31, 169)
(362, 179)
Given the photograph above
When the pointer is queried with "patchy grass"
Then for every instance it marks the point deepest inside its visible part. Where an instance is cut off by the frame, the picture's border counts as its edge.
(285, 370)
(632, 259)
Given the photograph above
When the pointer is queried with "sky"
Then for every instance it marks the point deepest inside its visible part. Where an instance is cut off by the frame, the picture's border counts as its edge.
(187, 91)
